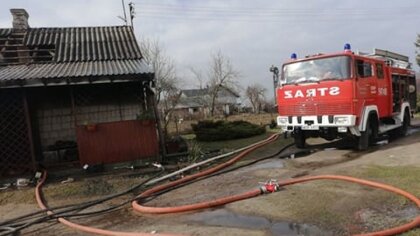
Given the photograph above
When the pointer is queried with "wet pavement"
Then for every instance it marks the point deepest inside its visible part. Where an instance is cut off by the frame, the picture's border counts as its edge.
(225, 218)
(271, 163)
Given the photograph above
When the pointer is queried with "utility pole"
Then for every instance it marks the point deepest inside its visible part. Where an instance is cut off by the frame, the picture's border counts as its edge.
(275, 72)
(132, 13)
(125, 14)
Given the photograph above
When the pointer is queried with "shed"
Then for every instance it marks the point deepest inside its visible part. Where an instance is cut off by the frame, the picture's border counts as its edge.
(76, 94)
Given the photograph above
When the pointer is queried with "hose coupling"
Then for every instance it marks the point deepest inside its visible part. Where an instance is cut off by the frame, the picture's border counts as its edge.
(270, 186)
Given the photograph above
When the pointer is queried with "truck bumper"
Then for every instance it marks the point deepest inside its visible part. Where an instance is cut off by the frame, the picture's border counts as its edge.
(341, 122)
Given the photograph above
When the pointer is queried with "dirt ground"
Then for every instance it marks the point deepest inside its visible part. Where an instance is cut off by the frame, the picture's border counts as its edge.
(313, 208)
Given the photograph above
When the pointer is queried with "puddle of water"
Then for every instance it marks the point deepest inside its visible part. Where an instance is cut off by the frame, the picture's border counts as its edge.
(413, 130)
(225, 218)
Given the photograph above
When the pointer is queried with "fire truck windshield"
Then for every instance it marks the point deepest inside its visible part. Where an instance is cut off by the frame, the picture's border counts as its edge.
(316, 70)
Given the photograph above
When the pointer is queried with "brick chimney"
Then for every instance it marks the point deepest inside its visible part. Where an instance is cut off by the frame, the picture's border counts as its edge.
(20, 19)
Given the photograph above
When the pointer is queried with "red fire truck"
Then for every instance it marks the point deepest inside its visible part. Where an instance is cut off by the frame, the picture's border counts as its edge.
(361, 95)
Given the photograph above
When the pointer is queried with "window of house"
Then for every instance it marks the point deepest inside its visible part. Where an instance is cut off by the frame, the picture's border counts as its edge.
(363, 68)
(379, 71)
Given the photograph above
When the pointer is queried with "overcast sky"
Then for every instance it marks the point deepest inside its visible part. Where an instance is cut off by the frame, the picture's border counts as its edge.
(253, 34)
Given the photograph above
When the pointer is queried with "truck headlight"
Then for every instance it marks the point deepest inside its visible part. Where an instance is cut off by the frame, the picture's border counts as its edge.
(282, 121)
(341, 120)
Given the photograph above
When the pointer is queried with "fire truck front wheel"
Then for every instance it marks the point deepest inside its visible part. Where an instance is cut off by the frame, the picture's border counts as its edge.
(368, 136)
(403, 130)
(300, 138)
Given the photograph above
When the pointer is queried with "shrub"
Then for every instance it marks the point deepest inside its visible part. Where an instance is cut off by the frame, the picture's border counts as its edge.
(273, 124)
(224, 130)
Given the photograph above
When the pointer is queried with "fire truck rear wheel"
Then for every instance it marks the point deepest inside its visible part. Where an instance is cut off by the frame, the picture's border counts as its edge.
(300, 139)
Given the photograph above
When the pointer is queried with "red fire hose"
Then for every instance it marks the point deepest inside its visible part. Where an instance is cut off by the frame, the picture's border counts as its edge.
(253, 193)
(84, 228)
(93, 230)
(225, 200)
(267, 188)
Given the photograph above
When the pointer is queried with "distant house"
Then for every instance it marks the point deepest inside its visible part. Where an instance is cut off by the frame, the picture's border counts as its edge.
(196, 102)
(75, 94)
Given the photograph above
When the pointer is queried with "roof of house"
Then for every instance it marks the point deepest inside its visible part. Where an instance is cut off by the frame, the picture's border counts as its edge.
(195, 92)
(188, 103)
(66, 54)
(202, 92)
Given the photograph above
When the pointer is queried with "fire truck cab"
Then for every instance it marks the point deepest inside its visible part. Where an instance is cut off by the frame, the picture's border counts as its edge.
(344, 94)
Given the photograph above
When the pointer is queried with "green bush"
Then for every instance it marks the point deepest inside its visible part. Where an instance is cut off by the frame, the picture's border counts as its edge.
(224, 130)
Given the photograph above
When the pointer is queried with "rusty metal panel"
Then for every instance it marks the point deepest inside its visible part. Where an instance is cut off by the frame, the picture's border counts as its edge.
(117, 142)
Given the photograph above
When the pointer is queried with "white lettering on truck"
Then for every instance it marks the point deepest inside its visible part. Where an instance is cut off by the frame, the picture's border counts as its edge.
(333, 91)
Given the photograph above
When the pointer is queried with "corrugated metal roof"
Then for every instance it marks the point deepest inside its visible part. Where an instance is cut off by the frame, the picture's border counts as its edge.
(87, 43)
(205, 91)
(4, 32)
(78, 52)
(195, 92)
(189, 103)
(73, 69)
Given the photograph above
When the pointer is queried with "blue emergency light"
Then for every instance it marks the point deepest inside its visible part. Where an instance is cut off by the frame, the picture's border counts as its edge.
(347, 47)
(293, 56)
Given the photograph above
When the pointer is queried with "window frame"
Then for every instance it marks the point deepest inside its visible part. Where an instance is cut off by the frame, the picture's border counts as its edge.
(380, 72)
(365, 65)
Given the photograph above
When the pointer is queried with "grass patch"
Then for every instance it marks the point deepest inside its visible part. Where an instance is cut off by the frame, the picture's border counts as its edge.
(85, 188)
(403, 177)
(229, 145)
(17, 196)
(208, 130)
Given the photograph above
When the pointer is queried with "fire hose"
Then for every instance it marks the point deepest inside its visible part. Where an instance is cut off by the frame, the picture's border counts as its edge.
(80, 227)
(267, 188)
(273, 187)
(108, 232)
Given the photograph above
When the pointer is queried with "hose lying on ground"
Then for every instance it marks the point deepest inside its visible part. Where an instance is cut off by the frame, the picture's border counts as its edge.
(278, 154)
(256, 192)
(214, 169)
(275, 136)
(225, 200)
(83, 228)
(108, 232)
(22, 222)
(19, 223)
(253, 193)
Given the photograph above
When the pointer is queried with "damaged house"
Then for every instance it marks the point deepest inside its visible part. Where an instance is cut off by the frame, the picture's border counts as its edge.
(195, 103)
(78, 95)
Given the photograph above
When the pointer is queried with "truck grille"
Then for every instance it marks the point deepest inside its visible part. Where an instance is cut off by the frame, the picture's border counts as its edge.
(302, 109)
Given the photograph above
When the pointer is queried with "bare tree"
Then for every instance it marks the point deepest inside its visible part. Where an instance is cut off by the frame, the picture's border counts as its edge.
(168, 105)
(166, 82)
(417, 44)
(198, 76)
(256, 96)
(163, 66)
(221, 74)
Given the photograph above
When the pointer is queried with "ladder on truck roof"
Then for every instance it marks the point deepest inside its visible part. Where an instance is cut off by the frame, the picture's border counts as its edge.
(391, 58)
